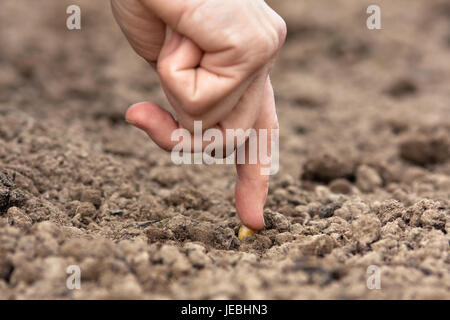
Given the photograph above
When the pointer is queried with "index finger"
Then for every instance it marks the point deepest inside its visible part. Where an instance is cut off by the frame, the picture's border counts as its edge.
(253, 176)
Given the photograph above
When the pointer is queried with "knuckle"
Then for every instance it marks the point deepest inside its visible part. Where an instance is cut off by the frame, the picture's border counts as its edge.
(270, 41)
(260, 52)
(271, 46)
(275, 36)
(278, 34)
(282, 31)
(190, 13)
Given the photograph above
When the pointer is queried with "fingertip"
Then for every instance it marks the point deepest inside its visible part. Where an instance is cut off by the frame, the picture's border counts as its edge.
(154, 120)
(139, 113)
(250, 202)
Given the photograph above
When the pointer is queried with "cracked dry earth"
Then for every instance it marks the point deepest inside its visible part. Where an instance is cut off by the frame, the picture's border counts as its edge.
(364, 177)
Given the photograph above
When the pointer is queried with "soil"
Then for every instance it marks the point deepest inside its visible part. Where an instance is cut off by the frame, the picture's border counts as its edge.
(364, 164)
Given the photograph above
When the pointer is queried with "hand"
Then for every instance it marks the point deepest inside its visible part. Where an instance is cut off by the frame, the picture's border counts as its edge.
(213, 58)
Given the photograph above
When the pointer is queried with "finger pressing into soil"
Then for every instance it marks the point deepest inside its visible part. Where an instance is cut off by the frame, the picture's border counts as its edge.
(253, 182)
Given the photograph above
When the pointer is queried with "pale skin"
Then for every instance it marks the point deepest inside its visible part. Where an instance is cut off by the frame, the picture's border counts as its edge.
(213, 58)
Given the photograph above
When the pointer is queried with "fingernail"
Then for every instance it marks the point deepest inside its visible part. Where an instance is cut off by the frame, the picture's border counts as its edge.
(127, 114)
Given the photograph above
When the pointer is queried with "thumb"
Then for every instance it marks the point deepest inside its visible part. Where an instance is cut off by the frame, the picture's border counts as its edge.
(253, 176)
(155, 121)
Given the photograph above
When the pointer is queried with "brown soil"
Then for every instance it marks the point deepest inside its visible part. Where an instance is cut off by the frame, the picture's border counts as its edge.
(364, 179)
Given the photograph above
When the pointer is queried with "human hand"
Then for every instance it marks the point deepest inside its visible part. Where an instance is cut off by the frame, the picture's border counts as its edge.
(213, 58)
